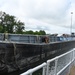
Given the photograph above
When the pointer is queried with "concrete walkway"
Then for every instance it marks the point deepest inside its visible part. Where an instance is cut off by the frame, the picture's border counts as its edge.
(72, 71)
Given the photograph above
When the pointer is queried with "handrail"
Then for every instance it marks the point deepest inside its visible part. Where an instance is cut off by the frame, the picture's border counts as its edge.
(46, 65)
(56, 61)
(30, 71)
(59, 56)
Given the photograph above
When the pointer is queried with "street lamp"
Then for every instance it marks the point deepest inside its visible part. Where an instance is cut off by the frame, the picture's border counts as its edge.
(71, 22)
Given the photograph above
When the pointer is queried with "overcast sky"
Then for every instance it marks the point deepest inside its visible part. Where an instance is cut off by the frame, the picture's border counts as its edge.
(53, 16)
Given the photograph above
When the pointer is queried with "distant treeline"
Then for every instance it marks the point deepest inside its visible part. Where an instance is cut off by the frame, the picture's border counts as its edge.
(41, 32)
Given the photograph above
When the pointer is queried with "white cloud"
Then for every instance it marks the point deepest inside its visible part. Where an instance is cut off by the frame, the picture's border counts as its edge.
(48, 15)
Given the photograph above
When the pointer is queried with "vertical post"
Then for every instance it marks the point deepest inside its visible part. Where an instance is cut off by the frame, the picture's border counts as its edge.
(44, 69)
(47, 72)
(73, 57)
(0, 13)
(29, 39)
(37, 39)
(6, 36)
(73, 54)
(30, 73)
(71, 23)
(56, 61)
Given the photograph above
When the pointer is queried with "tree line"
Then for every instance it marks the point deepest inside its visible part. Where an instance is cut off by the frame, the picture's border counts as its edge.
(10, 24)
(40, 32)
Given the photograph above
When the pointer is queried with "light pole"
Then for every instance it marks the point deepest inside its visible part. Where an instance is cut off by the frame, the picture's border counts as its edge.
(0, 15)
(71, 23)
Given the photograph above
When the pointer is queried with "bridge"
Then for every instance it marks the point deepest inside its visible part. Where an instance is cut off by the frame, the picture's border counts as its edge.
(60, 65)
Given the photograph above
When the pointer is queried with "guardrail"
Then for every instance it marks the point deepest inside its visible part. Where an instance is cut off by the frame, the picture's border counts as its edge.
(29, 72)
(54, 66)
(60, 63)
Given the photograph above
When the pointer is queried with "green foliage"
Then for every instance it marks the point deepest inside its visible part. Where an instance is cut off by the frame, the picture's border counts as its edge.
(41, 32)
(1, 28)
(29, 32)
(10, 24)
(19, 27)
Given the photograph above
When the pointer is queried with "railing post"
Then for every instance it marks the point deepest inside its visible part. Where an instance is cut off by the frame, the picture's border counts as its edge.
(44, 70)
(70, 60)
(47, 72)
(29, 39)
(71, 56)
(30, 73)
(56, 61)
(74, 56)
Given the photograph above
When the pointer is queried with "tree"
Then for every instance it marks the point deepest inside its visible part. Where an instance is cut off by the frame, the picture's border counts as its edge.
(36, 33)
(1, 28)
(29, 32)
(10, 24)
(19, 27)
(42, 32)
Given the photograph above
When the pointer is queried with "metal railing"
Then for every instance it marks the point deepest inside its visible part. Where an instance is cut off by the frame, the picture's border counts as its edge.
(30, 71)
(54, 66)
(58, 64)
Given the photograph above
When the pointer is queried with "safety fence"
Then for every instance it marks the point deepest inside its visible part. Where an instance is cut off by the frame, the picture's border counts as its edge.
(55, 66)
